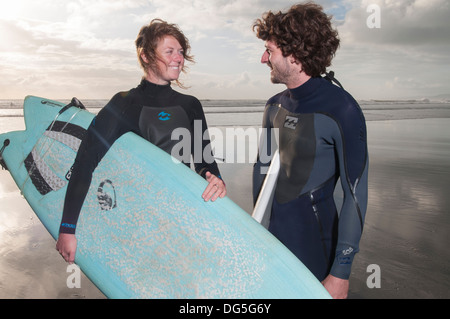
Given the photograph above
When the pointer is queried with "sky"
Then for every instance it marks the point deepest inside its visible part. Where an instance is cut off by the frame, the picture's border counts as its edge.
(59, 49)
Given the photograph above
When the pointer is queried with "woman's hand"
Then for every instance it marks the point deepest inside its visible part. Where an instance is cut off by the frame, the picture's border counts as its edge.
(215, 189)
(67, 246)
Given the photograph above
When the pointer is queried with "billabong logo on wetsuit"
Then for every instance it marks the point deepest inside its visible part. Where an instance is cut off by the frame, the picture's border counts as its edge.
(163, 116)
(347, 251)
(290, 122)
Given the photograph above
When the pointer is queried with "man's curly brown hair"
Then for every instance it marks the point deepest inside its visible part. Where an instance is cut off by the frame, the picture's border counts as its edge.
(304, 31)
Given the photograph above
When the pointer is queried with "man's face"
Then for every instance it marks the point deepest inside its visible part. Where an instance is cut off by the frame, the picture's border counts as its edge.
(280, 66)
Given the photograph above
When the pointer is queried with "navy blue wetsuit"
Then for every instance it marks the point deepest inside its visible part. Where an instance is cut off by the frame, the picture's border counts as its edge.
(149, 110)
(322, 137)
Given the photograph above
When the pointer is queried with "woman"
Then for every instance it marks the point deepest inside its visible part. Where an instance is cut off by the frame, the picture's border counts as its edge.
(162, 49)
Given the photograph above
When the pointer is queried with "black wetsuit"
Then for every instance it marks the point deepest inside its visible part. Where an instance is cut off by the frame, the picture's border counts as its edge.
(322, 137)
(149, 110)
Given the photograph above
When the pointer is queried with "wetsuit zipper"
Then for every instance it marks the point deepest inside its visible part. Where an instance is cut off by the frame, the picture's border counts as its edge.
(317, 215)
(319, 223)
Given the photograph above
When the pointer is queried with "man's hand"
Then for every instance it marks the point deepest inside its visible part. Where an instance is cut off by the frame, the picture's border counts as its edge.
(336, 287)
(215, 189)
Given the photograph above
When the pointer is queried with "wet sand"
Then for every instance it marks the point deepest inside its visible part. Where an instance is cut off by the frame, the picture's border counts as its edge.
(408, 222)
(406, 231)
(30, 266)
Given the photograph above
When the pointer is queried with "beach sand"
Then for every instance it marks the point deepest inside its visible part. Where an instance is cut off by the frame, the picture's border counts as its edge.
(30, 266)
(406, 231)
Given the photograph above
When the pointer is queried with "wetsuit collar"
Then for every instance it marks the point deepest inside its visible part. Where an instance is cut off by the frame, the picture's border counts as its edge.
(153, 89)
(305, 89)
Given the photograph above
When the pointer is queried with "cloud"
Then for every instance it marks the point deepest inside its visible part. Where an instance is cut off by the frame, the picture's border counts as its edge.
(404, 57)
(403, 23)
(211, 15)
(42, 58)
(86, 47)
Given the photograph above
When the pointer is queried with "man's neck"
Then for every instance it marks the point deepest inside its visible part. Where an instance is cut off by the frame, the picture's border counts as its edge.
(298, 81)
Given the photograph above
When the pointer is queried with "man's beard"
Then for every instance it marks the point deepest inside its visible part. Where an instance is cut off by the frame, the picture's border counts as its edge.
(277, 76)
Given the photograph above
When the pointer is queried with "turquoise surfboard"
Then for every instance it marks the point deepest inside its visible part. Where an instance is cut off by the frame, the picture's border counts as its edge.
(144, 230)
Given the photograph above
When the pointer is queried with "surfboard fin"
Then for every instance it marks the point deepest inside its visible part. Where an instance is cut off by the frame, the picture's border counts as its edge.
(2, 162)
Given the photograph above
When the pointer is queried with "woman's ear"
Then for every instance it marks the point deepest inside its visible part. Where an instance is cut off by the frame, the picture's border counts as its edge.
(144, 57)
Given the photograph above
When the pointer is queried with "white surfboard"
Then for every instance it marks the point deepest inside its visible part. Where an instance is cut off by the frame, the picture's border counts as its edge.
(263, 207)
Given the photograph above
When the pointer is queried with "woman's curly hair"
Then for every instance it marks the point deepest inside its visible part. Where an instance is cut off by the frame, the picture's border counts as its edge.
(304, 31)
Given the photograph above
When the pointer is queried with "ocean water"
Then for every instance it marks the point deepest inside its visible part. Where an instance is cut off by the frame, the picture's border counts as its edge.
(407, 226)
(249, 112)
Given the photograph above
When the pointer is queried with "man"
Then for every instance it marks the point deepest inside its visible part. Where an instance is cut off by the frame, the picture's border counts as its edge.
(322, 138)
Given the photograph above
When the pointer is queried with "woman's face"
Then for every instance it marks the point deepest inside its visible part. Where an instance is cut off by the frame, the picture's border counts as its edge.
(170, 61)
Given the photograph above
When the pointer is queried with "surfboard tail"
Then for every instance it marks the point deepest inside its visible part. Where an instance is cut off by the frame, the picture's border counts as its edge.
(50, 127)
(16, 145)
(11, 155)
